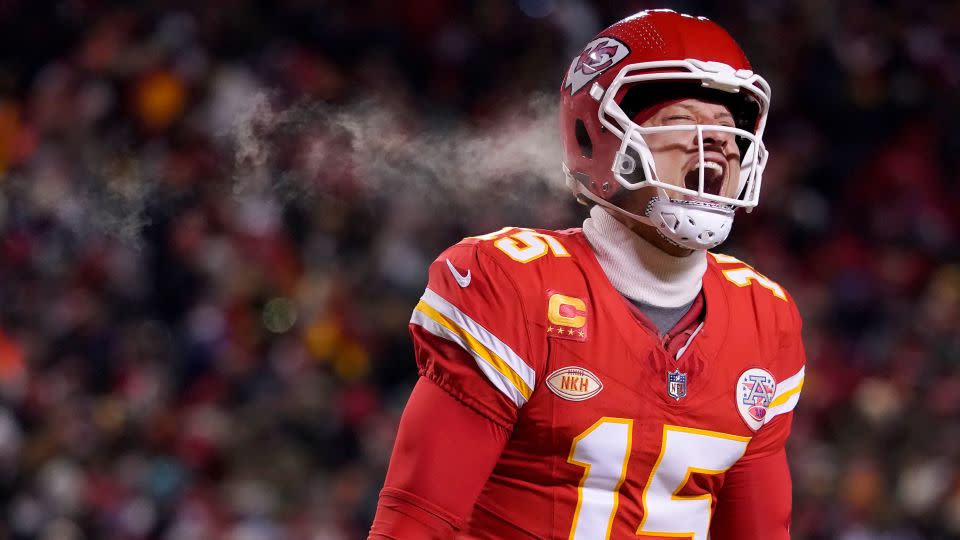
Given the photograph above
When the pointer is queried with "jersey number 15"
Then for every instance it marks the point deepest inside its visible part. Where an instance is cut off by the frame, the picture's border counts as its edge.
(603, 451)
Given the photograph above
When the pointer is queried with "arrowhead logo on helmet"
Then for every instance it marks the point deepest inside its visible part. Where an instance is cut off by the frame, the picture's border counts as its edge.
(598, 56)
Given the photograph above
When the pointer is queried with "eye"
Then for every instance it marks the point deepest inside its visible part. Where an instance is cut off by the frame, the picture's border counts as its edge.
(725, 120)
(680, 118)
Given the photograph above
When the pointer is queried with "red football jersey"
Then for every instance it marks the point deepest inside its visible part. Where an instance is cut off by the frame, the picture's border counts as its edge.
(612, 437)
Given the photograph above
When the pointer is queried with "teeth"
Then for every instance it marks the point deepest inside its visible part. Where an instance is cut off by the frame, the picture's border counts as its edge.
(712, 165)
(712, 172)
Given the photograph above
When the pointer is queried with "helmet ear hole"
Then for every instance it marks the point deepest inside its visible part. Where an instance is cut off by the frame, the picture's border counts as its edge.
(635, 176)
(583, 139)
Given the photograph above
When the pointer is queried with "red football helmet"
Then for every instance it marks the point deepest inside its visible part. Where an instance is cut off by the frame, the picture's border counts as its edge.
(648, 58)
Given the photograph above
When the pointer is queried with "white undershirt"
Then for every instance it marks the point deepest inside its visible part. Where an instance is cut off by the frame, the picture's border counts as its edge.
(639, 270)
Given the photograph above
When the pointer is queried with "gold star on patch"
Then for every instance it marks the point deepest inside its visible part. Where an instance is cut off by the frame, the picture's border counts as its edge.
(549, 329)
(570, 331)
(581, 333)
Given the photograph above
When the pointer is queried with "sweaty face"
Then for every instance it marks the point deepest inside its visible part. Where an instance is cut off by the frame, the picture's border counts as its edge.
(677, 153)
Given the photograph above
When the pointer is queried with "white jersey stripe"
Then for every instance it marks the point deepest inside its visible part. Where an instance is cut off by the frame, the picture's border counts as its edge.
(481, 334)
(490, 351)
(783, 408)
(786, 396)
(499, 380)
(788, 387)
(790, 383)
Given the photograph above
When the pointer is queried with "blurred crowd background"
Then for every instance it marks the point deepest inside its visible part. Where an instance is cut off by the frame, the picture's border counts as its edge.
(216, 216)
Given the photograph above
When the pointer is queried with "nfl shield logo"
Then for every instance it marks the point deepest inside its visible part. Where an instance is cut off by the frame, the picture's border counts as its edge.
(677, 384)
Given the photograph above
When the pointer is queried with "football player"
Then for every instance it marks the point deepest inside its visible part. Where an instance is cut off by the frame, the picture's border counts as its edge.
(615, 380)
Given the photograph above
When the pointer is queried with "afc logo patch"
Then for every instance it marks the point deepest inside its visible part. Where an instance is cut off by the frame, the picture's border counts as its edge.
(754, 392)
(598, 56)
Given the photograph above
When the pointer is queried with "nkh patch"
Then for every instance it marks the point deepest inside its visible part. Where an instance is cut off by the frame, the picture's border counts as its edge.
(754, 392)
(598, 56)
(574, 383)
(566, 316)
(676, 384)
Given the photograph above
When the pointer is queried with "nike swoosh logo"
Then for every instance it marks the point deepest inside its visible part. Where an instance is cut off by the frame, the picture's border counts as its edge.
(463, 281)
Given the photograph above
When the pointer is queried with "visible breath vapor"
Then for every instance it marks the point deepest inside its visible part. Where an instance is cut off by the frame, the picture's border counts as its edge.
(368, 150)
(384, 151)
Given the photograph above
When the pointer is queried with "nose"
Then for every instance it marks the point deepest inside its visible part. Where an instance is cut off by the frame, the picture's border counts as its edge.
(717, 139)
(723, 142)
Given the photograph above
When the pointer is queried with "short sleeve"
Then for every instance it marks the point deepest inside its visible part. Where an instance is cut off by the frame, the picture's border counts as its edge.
(471, 336)
(789, 372)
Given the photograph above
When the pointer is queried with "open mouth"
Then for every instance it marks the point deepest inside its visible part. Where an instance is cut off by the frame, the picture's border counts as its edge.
(713, 176)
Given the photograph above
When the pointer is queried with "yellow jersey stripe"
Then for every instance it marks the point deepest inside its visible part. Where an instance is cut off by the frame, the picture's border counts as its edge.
(791, 381)
(481, 334)
(787, 395)
(784, 397)
(784, 408)
(478, 349)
